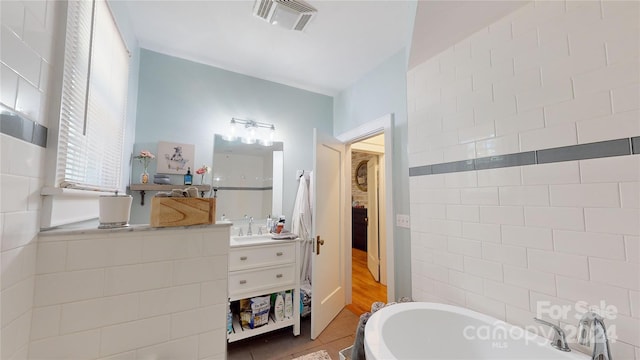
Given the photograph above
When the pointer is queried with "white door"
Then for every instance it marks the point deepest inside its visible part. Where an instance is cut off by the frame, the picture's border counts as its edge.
(328, 259)
(373, 252)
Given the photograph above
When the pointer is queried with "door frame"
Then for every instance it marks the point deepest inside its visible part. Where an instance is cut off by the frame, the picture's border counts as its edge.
(382, 125)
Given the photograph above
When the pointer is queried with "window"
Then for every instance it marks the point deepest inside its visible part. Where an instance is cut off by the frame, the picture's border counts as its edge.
(93, 101)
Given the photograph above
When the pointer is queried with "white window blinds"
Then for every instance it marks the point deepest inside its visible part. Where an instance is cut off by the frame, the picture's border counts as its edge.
(93, 103)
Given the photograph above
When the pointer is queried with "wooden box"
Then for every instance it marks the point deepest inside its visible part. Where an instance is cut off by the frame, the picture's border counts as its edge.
(176, 211)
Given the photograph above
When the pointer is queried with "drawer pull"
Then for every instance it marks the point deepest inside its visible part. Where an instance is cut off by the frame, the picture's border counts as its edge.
(242, 282)
(279, 253)
(243, 258)
(278, 276)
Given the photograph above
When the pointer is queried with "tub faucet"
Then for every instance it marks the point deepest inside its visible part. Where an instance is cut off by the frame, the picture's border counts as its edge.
(559, 339)
(591, 327)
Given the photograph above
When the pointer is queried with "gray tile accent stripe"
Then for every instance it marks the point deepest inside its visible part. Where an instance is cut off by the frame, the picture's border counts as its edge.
(617, 147)
(493, 162)
(420, 170)
(585, 151)
(17, 126)
(456, 166)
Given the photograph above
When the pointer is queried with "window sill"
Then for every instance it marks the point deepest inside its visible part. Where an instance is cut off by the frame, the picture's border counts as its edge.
(62, 206)
(56, 191)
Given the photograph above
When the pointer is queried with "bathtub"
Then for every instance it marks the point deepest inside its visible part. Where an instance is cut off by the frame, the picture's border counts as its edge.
(421, 330)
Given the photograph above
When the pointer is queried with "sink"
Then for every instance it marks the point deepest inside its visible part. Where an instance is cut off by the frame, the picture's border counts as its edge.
(249, 240)
(251, 237)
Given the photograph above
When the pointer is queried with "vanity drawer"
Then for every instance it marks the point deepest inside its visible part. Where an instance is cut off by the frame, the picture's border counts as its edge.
(257, 256)
(252, 280)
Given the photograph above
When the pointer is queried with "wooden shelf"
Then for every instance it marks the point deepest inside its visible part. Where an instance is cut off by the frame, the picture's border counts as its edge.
(143, 188)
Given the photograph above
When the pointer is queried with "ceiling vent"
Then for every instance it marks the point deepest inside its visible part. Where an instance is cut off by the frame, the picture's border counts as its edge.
(291, 14)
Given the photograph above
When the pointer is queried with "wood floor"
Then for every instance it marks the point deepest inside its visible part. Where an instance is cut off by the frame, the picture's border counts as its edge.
(365, 290)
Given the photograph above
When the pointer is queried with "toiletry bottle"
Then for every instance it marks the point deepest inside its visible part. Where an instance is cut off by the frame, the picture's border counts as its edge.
(229, 319)
(280, 225)
(288, 305)
(188, 178)
(278, 309)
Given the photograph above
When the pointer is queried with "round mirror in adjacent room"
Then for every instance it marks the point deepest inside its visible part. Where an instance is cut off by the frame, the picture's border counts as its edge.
(361, 175)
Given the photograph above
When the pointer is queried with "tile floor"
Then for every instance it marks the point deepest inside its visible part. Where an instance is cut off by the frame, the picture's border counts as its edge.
(281, 344)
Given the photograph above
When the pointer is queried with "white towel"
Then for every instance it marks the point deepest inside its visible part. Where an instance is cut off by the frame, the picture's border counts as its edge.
(301, 225)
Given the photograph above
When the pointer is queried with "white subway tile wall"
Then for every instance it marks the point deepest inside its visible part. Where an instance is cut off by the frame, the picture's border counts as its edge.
(558, 233)
(123, 296)
(27, 35)
(610, 127)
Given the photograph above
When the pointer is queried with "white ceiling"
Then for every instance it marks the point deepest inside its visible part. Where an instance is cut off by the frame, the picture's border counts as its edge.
(344, 41)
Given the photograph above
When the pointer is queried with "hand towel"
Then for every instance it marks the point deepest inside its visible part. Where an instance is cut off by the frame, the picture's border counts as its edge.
(357, 352)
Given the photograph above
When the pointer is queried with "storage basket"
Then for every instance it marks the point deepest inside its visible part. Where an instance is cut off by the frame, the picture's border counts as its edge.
(182, 211)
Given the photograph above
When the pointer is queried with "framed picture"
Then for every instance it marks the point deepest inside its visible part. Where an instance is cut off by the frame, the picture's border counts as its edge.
(361, 175)
(174, 158)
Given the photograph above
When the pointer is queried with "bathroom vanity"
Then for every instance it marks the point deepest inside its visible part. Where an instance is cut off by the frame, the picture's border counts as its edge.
(261, 266)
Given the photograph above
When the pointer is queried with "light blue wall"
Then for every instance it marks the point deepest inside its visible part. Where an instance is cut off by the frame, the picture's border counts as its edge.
(187, 102)
(380, 92)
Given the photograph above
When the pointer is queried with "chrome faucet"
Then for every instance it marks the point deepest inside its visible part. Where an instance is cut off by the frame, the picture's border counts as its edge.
(591, 327)
(559, 339)
(249, 232)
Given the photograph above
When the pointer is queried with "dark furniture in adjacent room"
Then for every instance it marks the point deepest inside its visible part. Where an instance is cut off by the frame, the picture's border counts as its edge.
(359, 228)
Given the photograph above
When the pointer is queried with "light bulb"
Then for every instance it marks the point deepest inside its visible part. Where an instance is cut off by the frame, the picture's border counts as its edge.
(231, 132)
(268, 140)
(251, 138)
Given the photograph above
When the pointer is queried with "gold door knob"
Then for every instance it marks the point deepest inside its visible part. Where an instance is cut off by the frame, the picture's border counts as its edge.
(318, 243)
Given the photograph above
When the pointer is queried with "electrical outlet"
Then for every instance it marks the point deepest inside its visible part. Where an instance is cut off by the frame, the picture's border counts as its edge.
(402, 220)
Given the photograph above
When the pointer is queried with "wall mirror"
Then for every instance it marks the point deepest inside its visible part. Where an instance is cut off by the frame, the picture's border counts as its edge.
(248, 179)
(361, 175)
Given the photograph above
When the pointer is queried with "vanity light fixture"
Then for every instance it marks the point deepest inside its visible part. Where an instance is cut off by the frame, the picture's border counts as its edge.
(251, 132)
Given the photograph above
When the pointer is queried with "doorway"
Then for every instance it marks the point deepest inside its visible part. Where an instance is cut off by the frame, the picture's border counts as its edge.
(368, 235)
(382, 126)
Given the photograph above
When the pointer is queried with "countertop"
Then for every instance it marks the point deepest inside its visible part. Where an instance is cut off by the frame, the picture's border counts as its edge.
(91, 228)
(240, 241)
